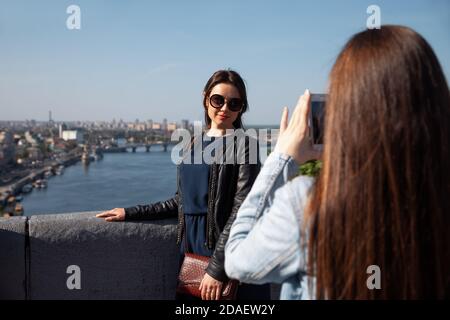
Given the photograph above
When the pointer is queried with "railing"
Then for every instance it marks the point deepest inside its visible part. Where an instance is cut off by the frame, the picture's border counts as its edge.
(49, 256)
(125, 260)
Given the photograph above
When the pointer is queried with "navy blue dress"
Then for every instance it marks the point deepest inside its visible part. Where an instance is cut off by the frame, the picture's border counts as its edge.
(194, 179)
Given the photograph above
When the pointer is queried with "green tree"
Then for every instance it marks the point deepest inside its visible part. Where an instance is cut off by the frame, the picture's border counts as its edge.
(311, 168)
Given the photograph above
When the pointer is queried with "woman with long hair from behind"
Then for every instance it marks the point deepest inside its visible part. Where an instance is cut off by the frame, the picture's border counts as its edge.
(381, 198)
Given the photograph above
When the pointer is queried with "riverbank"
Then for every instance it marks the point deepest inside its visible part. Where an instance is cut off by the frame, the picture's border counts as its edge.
(15, 189)
(119, 180)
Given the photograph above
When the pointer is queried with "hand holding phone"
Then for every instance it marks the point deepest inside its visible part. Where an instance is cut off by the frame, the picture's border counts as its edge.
(316, 121)
(293, 139)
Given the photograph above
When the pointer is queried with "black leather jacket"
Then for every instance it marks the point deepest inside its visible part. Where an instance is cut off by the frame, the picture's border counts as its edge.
(229, 184)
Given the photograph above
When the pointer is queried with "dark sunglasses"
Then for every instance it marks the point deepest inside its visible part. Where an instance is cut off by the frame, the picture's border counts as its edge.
(218, 101)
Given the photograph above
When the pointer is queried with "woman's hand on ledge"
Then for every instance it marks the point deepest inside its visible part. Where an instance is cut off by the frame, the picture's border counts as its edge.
(116, 214)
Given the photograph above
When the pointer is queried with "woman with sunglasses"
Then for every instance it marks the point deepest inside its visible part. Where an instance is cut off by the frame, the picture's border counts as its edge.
(209, 195)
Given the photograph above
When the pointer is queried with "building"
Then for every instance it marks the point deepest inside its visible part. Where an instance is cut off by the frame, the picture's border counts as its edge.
(149, 124)
(73, 135)
(34, 153)
(7, 148)
(6, 137)
(140, 127)
(172, 126)
(62, 127)
(31, 138)
(185, 124)
(51, 123)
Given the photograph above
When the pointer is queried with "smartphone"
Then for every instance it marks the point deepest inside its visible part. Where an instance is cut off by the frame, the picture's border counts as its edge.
(317, 118)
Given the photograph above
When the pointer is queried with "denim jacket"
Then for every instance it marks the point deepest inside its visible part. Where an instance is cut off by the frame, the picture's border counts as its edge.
(264, 242)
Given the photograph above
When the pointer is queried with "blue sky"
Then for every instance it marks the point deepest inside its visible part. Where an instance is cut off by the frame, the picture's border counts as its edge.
(150, 59)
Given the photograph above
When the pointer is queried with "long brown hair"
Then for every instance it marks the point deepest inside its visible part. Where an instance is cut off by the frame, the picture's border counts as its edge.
(383, 196)
(228, 77)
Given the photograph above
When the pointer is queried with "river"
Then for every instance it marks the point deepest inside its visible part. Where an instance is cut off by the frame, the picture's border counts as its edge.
(118, 180)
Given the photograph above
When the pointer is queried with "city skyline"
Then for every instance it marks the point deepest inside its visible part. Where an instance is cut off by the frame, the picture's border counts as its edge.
(113, 120)
(150, 60)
